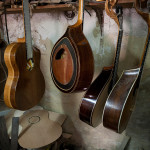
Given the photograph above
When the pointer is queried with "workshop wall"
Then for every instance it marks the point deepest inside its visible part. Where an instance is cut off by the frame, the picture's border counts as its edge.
(47, 28)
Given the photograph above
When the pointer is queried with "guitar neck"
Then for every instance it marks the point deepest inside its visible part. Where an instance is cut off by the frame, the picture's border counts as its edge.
(116, 61)
(27, 27)
(81, 11)
(80, 14)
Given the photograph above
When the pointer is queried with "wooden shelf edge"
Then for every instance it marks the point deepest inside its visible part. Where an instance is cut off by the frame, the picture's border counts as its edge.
(124, 3)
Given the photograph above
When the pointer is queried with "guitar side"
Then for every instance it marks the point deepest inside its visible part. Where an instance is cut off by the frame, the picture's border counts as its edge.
(120, 101)
(23, 88)
(93, 102)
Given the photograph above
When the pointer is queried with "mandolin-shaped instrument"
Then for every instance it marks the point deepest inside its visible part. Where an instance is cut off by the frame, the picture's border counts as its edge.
(93, 102)
(71, 61)
(121, 100)
(3, 68)
(25, 84)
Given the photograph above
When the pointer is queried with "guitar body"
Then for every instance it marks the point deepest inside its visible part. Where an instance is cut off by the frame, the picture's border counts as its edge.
(121, 100)
(3, 68)
(93, 102)
(72, 62)
(23, 89)
(38, 130)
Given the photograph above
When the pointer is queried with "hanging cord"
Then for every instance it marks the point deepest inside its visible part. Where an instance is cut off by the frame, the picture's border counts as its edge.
(6, 22)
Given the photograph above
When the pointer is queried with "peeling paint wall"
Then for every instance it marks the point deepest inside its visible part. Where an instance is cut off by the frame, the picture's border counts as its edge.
(47, 28)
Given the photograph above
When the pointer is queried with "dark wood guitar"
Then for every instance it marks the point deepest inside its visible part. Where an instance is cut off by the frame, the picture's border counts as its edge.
(3, 68)
(121, 99)
(93, 102)
(25, 84)
(72, 62)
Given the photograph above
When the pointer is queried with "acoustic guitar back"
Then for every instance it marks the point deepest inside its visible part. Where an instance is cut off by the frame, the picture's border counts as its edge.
(24, 89)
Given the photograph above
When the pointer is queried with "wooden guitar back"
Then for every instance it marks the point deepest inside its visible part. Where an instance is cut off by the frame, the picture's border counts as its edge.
(24, 89)
(3, 68)
(93, 102)
(72, 62)
(120, 102)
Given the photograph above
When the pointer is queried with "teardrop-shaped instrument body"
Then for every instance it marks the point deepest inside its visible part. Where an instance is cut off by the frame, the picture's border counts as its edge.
(72, 62)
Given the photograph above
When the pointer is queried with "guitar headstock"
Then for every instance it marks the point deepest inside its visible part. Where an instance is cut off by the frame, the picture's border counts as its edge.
(109, 5)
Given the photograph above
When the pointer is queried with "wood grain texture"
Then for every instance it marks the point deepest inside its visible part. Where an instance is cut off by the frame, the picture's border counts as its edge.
(23, 89)
(120, 101)
(38, 130)
(93, 102)
(62, 60)
(80, 58)
(3, 68)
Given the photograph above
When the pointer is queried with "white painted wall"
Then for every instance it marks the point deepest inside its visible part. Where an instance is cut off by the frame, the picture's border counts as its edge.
(47, 28)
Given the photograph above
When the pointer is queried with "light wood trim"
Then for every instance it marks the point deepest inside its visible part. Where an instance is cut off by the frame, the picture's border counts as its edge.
(88, 5)
(13, 74)
(100, 0)
(21, 40)
(109, 10)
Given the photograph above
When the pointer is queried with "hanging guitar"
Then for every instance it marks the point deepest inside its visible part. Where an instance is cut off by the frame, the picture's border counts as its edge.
(121, 100)
(25, 84)
(93, 102)
(3, 68)
(72, 62)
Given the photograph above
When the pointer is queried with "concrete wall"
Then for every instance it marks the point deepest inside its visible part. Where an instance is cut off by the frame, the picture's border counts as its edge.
(47, 28)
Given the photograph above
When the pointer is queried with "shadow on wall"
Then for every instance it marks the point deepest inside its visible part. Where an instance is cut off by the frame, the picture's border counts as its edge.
(138, 127)
(132, 53)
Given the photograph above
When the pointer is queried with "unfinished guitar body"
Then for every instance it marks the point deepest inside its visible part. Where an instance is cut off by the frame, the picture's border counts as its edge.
(121, 100)
(38, 130)
(24, 89)
(93, 102)
(72, 63)
(3, 68)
